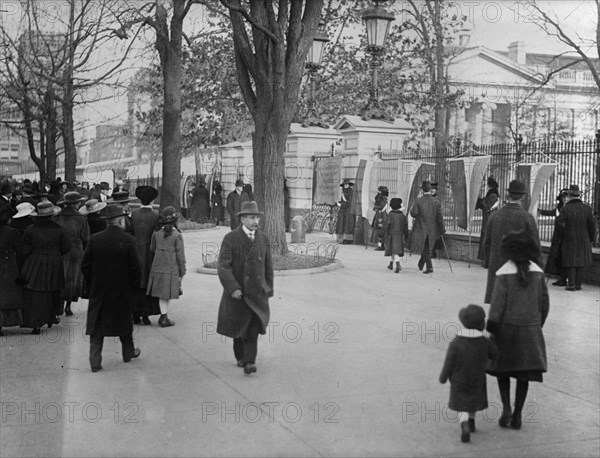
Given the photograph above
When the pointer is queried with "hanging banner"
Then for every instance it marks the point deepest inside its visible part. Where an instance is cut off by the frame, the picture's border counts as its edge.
(367, 182)
(327, 181)
(466, 175)
(535, 176)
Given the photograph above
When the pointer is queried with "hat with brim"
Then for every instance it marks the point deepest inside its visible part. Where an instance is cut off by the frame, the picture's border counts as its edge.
(517, 187)
(146, 194)
(92, 206)
(169, 215)
(44, 210)
(249, 208)
(23, 210)
(120, 197)
(71, 198)
(113, 211)
(574, 191)
(519, 246)
(347, 181)
(383, 189)
(104, 186)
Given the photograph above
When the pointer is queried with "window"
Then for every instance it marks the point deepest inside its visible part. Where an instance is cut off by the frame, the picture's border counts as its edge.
(587, 76)
(567, 75)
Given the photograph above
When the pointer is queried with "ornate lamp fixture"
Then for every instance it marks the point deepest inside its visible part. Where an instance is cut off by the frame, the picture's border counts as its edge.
(313, 63)
(378, 23)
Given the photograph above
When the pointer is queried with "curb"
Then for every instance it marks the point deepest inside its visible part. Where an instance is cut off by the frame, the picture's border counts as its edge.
(284, 273)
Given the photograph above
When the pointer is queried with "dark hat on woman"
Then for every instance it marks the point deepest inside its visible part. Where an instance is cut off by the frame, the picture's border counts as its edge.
(120, 197)
(113, 211)
(383, 189)
(492, 183)
(396, 203)
(92, 206)
(563, 193)
(146, 194)
(249, 208)
(472, 317)
(517, 187)
(347, 181)
(71, 198)
(45, 209)
(168, 216)
(574, 191)
(434, 184)
(519, 246)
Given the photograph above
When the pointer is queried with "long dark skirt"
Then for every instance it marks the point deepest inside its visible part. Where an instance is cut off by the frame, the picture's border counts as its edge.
(11, 317)
(145, 305)
(41, 307)
(73, 275)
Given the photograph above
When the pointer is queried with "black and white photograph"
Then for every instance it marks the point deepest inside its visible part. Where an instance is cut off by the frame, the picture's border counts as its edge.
(299, 228)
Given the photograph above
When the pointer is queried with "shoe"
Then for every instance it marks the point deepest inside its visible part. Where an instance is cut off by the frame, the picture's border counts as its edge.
(146, 321)
(68, 311)
(347, 242)
(36, 331)
(398, 268)
(428, 271)
(136, 320)
(391, 266)
(164, 321)
(504, 421)
(379, 248)
(559, 283)
(472, 425)
(571, 288)
(96, 369)
(240, 363)
(249, 368)
(420, 265)
(516, 421)
(136, 353)
(578, 288)
(56, 320)
(465, 434)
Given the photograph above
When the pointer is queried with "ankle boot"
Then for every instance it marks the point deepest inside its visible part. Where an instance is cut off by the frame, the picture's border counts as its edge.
(164, 321)
(398, 268)
(472, 425)
(68, 310)
(505, 419)
(516, 420)
(391, 265)
(465, 434)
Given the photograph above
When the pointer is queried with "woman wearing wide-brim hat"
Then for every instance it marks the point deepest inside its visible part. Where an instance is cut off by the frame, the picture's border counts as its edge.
(92, 211)
(79, 233)
(45, 243)
(22, 219)
(168, 265)
(345, 223)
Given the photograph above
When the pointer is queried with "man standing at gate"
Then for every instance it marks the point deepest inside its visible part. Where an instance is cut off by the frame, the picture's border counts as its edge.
(246, 273)
(234, 203)
(428, 226)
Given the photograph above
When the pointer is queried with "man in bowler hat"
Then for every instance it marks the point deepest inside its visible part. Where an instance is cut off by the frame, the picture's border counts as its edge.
(511, 217)
(234, 203)
(246, 273)
(111, 267)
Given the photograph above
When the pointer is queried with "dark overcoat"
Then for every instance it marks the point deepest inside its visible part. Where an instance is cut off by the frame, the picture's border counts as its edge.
(21, 223)
(200, 210)
(487, 207)
(346, 220)
(579, 229)
(428, 223)
(143, 224)
(96, 223)
(111, 266)
(11, 251)
(554, 259)
(395, 233)
(516, 318)
(217, 203)
(79, 232)
(247, 266)
(234, 205)
(509, 218)
(464, 366)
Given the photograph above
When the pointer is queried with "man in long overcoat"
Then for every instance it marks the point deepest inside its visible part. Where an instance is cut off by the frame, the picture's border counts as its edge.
(428, 226)
(509, 218)
(234, 203)
(111, 266)
(246, 273)
(579, 229)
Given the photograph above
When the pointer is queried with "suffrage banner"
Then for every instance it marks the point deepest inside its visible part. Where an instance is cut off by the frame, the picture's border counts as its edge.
(327, 181)
(466, 176)
(535, 176)
(408, 181)
(367, 182)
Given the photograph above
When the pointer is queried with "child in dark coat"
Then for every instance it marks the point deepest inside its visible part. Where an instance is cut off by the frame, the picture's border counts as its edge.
(395, 233)
(465, 366)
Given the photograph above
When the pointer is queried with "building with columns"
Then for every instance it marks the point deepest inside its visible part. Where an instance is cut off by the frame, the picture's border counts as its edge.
(504, 97)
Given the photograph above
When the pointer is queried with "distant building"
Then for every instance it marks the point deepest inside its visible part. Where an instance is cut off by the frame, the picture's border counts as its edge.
(112, 143)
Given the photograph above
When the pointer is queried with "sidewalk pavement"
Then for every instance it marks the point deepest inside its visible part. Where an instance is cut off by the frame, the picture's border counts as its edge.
(349, 367)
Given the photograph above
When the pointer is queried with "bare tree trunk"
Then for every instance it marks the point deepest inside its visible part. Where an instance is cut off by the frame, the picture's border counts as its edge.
(68, 131)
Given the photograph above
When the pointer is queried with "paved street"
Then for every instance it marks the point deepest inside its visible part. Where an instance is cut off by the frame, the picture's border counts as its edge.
(349, 368)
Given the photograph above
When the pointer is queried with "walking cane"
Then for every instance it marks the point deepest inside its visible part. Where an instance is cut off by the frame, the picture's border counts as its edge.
(447, 255)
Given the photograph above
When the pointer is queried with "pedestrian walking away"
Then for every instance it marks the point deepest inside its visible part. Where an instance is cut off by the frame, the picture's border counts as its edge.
(168, 264)
(518, 311)
(246, 273)
(395, 233)
(111, 267)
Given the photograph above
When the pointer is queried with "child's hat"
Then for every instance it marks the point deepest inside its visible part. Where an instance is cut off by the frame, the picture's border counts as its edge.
(472, 317)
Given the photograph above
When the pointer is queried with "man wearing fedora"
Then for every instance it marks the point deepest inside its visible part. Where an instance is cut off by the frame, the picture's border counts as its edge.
(428, 226)
(122, 199)
(246, 273)
(111, 267)
(143, 224)
(234, 203)
(511, 217)
(579, 229)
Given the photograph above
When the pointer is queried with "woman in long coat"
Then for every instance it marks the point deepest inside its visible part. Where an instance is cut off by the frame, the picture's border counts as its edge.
(518, 311)
(168, 265)
(345, 223)
(218, 211)
(487, 205)
(395, 233)
(45, 243)
(143, 223)
(79, 233)
(11, 291)
(200, 210)
(554, 261)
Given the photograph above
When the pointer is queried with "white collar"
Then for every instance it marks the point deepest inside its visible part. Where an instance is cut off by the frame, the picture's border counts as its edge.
(470, 333)
(247, 231)
(146, 206)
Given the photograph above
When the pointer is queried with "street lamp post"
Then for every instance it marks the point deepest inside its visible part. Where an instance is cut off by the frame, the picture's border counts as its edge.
(377, 22)
(313, 63)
